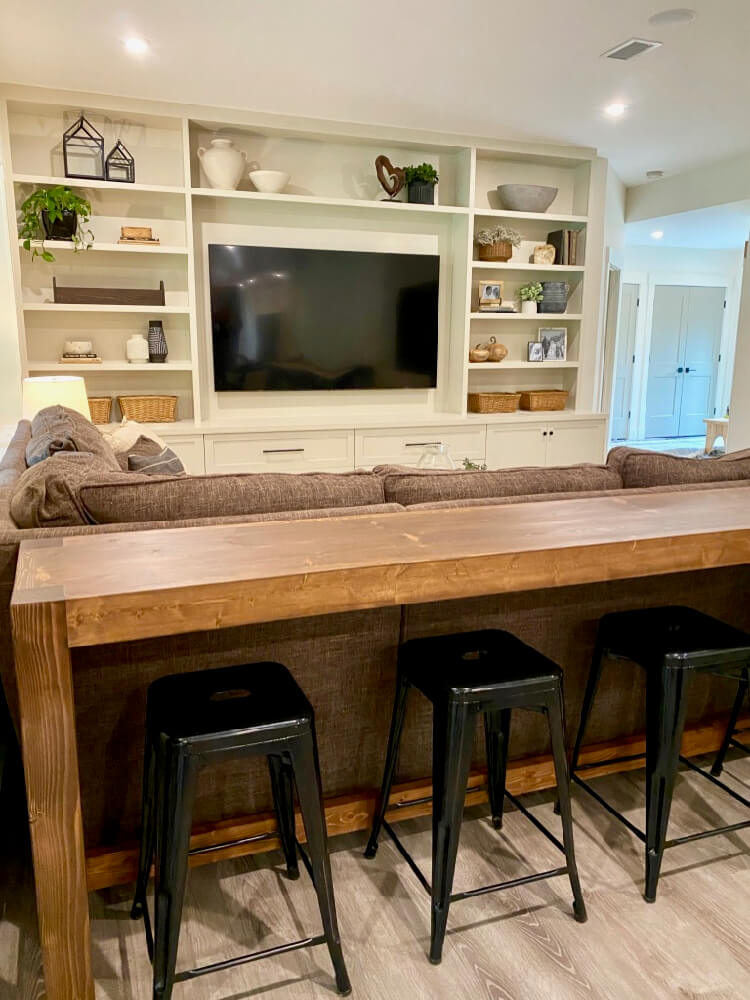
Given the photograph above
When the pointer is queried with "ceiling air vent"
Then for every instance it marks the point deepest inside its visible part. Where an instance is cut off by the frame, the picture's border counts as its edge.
(630, 49)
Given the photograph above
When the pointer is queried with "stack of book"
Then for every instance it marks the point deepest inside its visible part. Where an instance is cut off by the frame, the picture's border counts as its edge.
(570, 246)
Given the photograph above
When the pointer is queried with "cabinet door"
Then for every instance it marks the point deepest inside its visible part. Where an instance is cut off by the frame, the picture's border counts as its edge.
(577, 441)
(302, 451)
(510, 447)
(405, 445)
(189, 449)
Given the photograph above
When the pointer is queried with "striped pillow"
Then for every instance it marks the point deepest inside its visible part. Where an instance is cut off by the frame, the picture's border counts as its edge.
(162, 463)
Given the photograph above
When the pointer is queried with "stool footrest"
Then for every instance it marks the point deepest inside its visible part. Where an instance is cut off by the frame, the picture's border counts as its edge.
(624, 759)
(510, 884)
(740, 746)
(254, 956)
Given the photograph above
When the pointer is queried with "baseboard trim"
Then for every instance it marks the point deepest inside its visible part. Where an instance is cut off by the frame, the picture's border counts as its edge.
(110, 866)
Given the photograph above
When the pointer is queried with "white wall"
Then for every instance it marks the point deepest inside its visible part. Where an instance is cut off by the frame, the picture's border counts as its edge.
(718, 183)
(648, 266)
(739, 407)
(10, 361)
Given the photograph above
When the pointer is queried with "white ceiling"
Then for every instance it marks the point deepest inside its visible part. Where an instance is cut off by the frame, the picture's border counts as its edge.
(490, 67)
(720, 227)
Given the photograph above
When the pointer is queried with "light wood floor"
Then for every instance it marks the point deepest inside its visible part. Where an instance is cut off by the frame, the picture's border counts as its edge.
(692, 944)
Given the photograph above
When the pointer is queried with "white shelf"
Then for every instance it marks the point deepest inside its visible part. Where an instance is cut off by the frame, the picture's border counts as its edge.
(55, 246)
(305, 199)
(96, 185)
(87, 307)
(525, 316)
(496, 265)
(497, 213)
(538, 365)
(110, 366)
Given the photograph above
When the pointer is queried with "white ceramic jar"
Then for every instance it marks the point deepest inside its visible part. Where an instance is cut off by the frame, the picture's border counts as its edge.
(136, 349)
(223, 164)
(529, 307)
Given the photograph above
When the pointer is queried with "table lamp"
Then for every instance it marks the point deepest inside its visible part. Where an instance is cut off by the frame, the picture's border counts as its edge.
(54, 390)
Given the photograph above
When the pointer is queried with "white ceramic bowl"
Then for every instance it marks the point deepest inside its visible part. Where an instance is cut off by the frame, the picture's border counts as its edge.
(269, 181)
(526, 197)
(78, 347)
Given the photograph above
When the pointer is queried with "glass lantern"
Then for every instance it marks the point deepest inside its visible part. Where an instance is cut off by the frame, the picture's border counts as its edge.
(435, 455)
(83, 151)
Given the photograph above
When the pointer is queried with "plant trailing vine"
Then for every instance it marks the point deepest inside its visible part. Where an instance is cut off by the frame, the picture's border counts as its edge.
(531, 292)
(498, 234)
(53, 202)
(425, 172)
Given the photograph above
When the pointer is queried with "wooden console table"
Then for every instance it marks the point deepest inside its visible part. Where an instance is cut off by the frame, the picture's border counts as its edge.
(86, 591)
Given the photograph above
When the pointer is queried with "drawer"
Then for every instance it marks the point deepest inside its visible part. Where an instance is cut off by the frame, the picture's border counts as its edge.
(189, 449)
(403, 446)
(304, 451)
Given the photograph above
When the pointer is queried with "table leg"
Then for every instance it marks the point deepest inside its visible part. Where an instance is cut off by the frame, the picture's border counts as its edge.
(50, 757)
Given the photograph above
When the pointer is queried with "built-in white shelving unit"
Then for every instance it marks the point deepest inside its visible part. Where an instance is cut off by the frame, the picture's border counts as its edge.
(333, 199)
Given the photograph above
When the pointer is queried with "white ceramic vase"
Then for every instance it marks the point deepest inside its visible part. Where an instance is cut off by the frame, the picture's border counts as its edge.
(529, 307)
(223, 164)
(136, 349)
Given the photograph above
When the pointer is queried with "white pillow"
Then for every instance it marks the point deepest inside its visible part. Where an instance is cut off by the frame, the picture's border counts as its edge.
(123, 437)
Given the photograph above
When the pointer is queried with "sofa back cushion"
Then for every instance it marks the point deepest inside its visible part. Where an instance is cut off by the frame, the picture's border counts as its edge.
(653, 468)
(419, 486)
(213, 496)
(56, 428)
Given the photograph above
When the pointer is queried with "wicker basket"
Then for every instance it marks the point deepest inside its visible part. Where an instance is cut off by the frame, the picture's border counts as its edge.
(502, 251)
(544, 399)
(100, 408)
(149, 409)
(493, 402)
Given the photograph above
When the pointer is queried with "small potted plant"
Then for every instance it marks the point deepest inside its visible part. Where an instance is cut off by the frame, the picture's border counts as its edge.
(529, 295)
(497, 243)
(421, 181)
(55, 213)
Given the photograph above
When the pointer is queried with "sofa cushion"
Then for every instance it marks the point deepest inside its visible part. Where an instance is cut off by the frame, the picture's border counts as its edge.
(653, 468)
(213, 496)
(418, 486)
(57, 428)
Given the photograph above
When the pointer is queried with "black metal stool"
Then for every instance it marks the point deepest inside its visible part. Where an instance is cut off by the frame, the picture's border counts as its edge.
(205, 717)
(732, 731)
(462, 675)
(671, 644)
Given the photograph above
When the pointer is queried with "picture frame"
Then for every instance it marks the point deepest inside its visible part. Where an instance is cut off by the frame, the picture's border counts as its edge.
(535, 350)
(489, 295)
(554, 341)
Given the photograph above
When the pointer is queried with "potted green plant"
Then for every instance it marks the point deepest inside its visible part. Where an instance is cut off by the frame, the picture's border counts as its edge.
(421, 181)
(54, 213)
(497, 243)
(530, 294)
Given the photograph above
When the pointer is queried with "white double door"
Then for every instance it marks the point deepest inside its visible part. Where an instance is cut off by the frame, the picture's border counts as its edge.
(685, 338)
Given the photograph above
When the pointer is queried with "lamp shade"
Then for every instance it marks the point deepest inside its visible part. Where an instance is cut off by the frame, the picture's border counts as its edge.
(54, 390)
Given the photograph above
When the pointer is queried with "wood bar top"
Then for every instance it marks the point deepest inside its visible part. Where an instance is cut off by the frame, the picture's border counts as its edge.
(135, 585)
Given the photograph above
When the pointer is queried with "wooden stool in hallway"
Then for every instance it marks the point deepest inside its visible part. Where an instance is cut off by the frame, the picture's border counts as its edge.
(670, 644)
(206, 717)
(463, 675)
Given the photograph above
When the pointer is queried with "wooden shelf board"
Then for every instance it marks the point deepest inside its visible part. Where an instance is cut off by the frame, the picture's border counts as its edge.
(110, 366)
(305, 199)
(496, 265)
(55, 246)
(498, 365)
(97, 185)
(543, 317)
(86, 307)
(497, 213)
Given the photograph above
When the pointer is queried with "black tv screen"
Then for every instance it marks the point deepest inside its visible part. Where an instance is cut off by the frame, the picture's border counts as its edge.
(322, 319)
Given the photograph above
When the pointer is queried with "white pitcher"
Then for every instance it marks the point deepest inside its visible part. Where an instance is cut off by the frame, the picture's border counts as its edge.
(223, 164)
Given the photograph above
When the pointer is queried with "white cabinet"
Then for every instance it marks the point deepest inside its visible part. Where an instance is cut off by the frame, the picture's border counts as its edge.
(293, 451)
(561, 443)
(404, 445)
(189, 449)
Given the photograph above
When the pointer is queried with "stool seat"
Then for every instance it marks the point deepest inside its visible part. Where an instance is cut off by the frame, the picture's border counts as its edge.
(467, 665)
(210, 703)
(673, 636)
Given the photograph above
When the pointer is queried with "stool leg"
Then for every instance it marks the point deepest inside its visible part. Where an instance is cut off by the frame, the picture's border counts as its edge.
(556, 721)
(718, 764)
(173, 844)
(282, 786)
(307, 777)
(665, 721)
(595, 673)
(453, 729)
(394, 739)
(146, 852)
(496, 735)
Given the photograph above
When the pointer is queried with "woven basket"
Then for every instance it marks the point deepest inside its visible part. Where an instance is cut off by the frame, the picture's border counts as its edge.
(493, 402)
(544, 399)
(149, 409)
(100, 408)
(502, 251)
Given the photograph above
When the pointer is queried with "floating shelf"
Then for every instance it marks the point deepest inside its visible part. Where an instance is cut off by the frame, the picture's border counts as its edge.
(538, 365)
(110, 366)
(496, 265)
(305, 199)
(526, 316)
(497, 213)
(86, 307)
(96, 185)
(62, 245)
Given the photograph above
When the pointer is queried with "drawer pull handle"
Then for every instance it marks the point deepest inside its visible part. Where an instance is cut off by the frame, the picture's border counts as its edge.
(281, 451)
(420, 444)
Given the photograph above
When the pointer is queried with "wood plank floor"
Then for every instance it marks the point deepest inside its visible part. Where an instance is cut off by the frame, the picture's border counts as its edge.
(692, 944)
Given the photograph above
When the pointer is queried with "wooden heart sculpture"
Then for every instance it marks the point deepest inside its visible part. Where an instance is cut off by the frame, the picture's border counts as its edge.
(392, 179)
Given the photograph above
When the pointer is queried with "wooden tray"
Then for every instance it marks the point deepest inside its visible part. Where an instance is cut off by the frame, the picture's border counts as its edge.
(109, 296)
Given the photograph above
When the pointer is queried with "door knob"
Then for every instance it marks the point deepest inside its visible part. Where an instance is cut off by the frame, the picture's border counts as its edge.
(689, 370)
(679, 370)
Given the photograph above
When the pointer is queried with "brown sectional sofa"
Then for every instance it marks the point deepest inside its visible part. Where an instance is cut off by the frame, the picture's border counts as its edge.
(345, 662)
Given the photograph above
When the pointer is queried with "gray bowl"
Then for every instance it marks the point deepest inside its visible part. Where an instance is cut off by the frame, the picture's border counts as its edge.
(526, 197)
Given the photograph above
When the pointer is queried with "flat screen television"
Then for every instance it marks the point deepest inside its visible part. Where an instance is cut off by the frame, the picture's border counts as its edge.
(286, 318)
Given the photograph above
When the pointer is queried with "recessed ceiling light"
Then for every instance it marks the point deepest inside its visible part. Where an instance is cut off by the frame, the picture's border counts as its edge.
(616, 110)
(657, 234)
(136, 46)
(679, 15)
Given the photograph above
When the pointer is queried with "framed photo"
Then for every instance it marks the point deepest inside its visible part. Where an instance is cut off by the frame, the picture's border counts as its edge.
(489, 296)
(536, 351)
(554, 341)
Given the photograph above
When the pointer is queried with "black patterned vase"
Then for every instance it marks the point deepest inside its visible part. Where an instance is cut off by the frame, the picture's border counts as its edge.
(157, 342)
